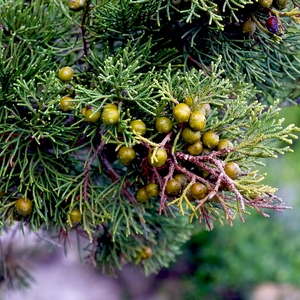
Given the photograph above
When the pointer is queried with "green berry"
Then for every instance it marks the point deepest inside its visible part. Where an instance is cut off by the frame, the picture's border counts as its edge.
(198, 190)
(65, 74)
(159, 158)
(138, 126)
(181, 112)
(197, 120)
(152, 189)
(147, 252)
(182, 179)
(142, 195)
(265, 3)
(224, 144)
(91, 116)
(210, 139)
(66, 103)
(163, 125)
(189, 100)
(110, 115)
(76, 5)
(126, 155)
(280, 4)
(195, 149)
(75, 216)
(249, 27)
(190, 136)
(24, 207)
(233, 170)
(173, 187)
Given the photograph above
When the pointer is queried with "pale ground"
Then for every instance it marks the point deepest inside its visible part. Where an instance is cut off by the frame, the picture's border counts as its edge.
(60, 277)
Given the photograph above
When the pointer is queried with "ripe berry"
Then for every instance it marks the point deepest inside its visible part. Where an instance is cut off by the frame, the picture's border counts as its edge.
(159, 158)
(66, 103)
(265, 3)
(163, 125)
(152, 189)
(110, 115)
(182, 179)
(195, 149)
(142, 195)
(272, 25)
(126, 155)
(75, 216)
(91, 116)
(76, 5)
(173, 187)
(198, 190)
(65, 74)
(147, 252)
(210, 139)
(224, 144)
(249, 27)
(138, 126)
(197, 120)
(181, 112)
(190, 136)
(233, 170)
(24, 207)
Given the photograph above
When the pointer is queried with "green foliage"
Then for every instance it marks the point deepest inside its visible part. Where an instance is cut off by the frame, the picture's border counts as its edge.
(143, 58)
(237, 258)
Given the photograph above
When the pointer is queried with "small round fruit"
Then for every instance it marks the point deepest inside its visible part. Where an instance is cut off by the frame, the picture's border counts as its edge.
(75, 216)
(204, 107)
(126, 155)
(24, 207)
(138, 126)
(197, 120)
(272, 25)
(195, 149)
(65, 74)
(142, 195)
(189, 100)
(66, 103)
(163, 125)
(265, 3)
(248, 27)
(110, 116)
(76, 5)
(91, 116)
(83, 110)
(182, 179)
(224, 144)
(173, 187)
(110, 105)
(181, 112)
(210, 139)
(159, 158)
(280, 4)
(152, 189)
(198, 190)
(147, 252)
(190, 136)
(233, 170)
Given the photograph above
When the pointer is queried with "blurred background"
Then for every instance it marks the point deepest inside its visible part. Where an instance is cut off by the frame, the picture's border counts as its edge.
(257, 260)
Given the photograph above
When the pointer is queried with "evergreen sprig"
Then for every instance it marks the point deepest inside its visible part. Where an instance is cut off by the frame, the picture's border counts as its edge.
(139, 61)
